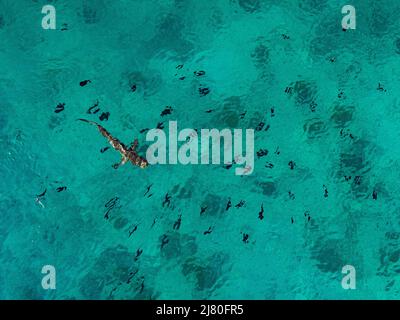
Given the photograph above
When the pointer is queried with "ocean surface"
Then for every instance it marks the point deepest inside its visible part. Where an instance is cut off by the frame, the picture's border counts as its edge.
(324, 103)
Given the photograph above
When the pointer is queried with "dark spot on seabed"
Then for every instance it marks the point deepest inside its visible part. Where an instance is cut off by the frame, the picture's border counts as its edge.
(397, 45)
(245, 238)
(250, 6)
(291, 165)
(374, 195)
(208, 231)
(60, 107)
(104, 149)
(133, 88)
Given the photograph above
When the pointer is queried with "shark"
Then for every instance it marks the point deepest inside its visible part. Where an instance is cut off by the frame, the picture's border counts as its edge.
(128, 154)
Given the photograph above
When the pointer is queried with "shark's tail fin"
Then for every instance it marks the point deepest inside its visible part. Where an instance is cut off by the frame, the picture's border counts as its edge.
(88, 121)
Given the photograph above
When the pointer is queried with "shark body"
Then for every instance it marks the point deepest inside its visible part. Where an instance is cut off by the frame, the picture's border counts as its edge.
(127, 153)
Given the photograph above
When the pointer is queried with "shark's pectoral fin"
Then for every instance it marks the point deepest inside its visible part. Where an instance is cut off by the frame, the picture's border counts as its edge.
(134, 145)
(121, 163)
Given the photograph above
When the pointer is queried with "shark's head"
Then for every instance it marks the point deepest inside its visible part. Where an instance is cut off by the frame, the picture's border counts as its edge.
(143, 163)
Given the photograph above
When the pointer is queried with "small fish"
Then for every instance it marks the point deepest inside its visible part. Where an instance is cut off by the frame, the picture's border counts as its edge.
(269, 165)
(42, 194)
(261, 213)
(167, 200)
(204, 91)
(60, 107)
(262, 153)
(148, 189)
(133, 230)
(167, 110)
(138, 253)
(260, 126)
(84, 83)
(325, 191)
(199, 73)
(177, 223)
(104, 116)
(240, 204)
(164, 240)
(89, 111)
(228, 205)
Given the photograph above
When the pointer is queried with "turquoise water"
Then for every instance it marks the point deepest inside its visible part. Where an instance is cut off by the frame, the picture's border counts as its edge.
(333, 123)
